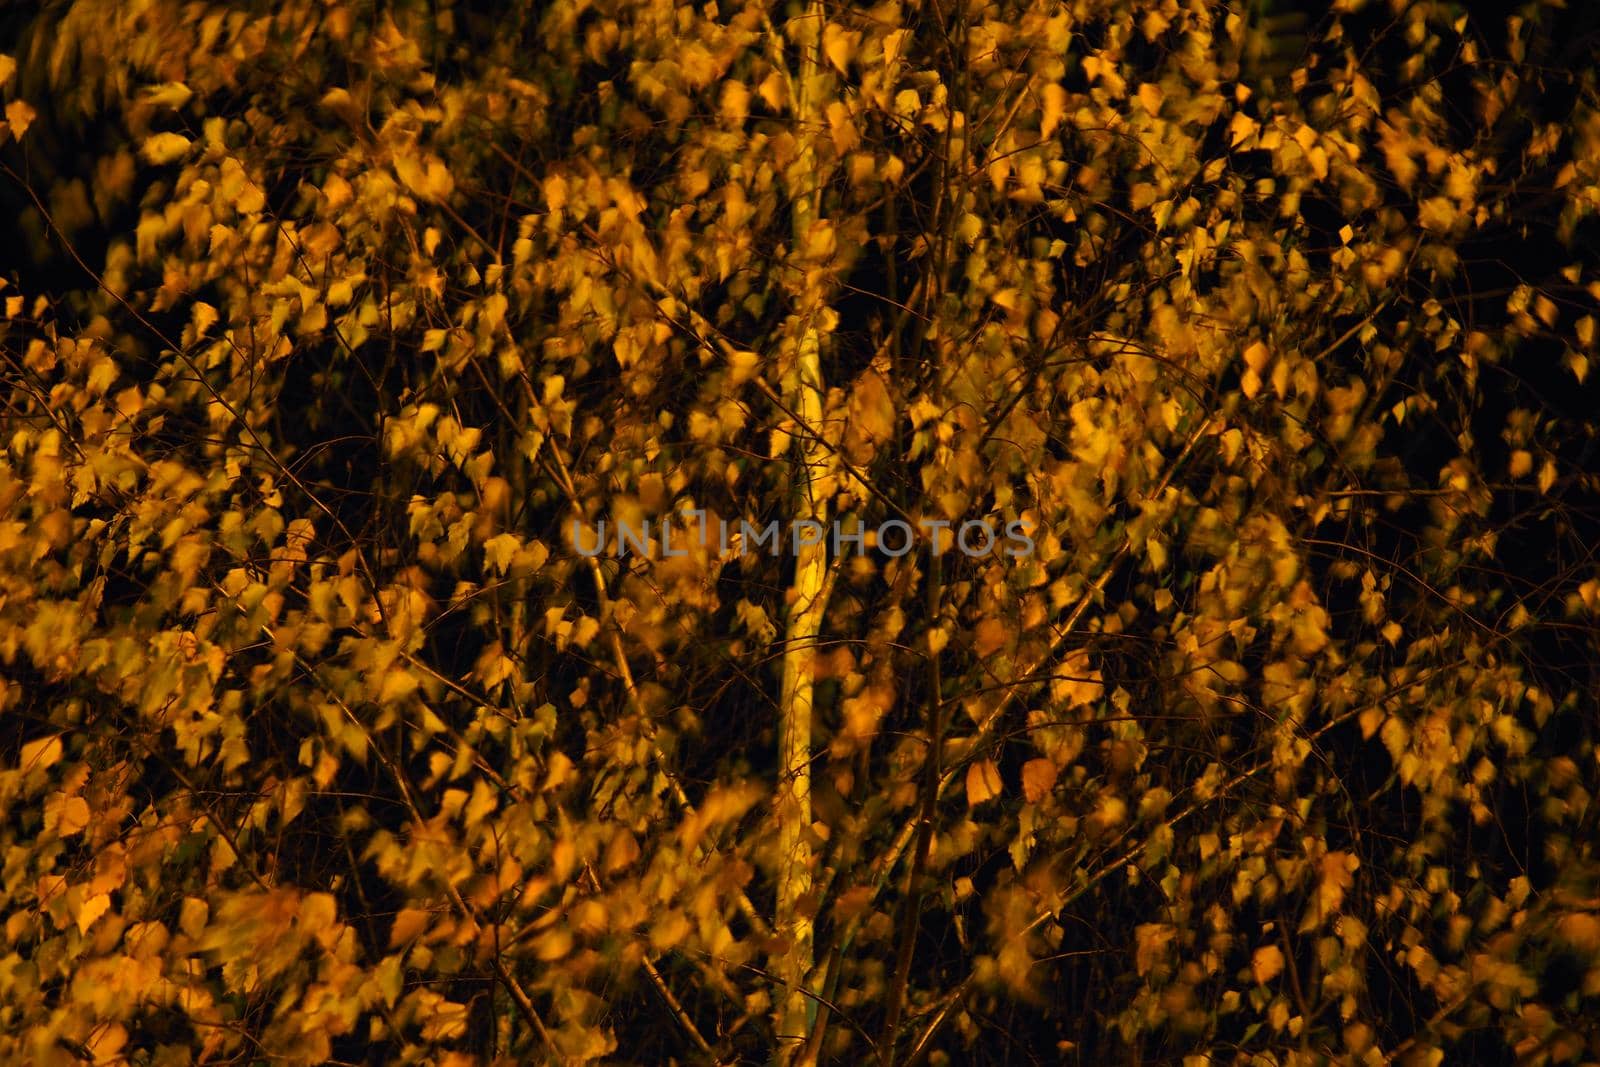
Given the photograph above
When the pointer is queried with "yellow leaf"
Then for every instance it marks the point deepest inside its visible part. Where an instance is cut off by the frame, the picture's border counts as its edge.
(743, 366)
(482, 803)
(318, 912)
(991, 636)
(584, 630)
(591, 918)
(426, 175)
(70, 814)
(697, 65)
(45, 752)
(192, 916)
(1151, 940)
(407, 925)
(203, 316)
(1578, 364)
(983, 782)
(91, 910)
(839, 45)
(164, 148)
(559, 771)
(871, 408)
(842, 128)
(1109, 813)
(498, 551)
(1337, 869)
(1580, 931)
(8, 67)
(906, 105)
(1266, 964)
(1437, 214)
(774, 91)
(1055, 107)
(20, 114)
(735, 102)
(820, 241)
(398, 683)
(106, 1041)
(1038, 778)
(1150, 97)
(389, 978)
(563, 858)
(1241, 128)
(171, 94)
(621, 851)
(669, 931)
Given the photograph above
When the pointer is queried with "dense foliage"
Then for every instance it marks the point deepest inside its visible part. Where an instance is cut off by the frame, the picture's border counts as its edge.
(329, 322)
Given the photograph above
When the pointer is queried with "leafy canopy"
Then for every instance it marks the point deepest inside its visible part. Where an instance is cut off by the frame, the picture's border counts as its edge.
(322, 743)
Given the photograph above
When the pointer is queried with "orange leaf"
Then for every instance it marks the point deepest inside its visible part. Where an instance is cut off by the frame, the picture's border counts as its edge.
(1038, 778)
(1266, 964)
(983, 782)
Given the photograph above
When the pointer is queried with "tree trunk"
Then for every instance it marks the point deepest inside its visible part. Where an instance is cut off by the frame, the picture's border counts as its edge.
(806, 598)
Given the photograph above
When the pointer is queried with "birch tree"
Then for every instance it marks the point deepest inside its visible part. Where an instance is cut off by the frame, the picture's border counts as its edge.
(618, 531)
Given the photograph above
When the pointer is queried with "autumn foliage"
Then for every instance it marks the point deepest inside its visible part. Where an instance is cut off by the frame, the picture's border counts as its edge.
(326, 321)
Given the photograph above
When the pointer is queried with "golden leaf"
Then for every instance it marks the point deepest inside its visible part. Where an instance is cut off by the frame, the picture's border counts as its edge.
(164, 148)
(1151, 940)
(106, 1041)
(1257, 356)
(743, 366)
(407, 925)
(20, 115)
(425, 175)
(1582, 931)
(990, 636)
(669, 931)
(563, 858)
(1055, 107)
(1547, 476)
(318, 912)
(170, 94)
(1240, 129)
(203, 316)
(842, 128)
(774, 91)
(621, 851)
(192, 916)
(839, 45)
(70, 814)
(1266, 964)
(553, 944)
(45, 752)
(91, 910)
(735, 102)
(499, 550)
(398, 683)
(1038, 778)
(983, 782)
(821, 241)
(872, 413)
